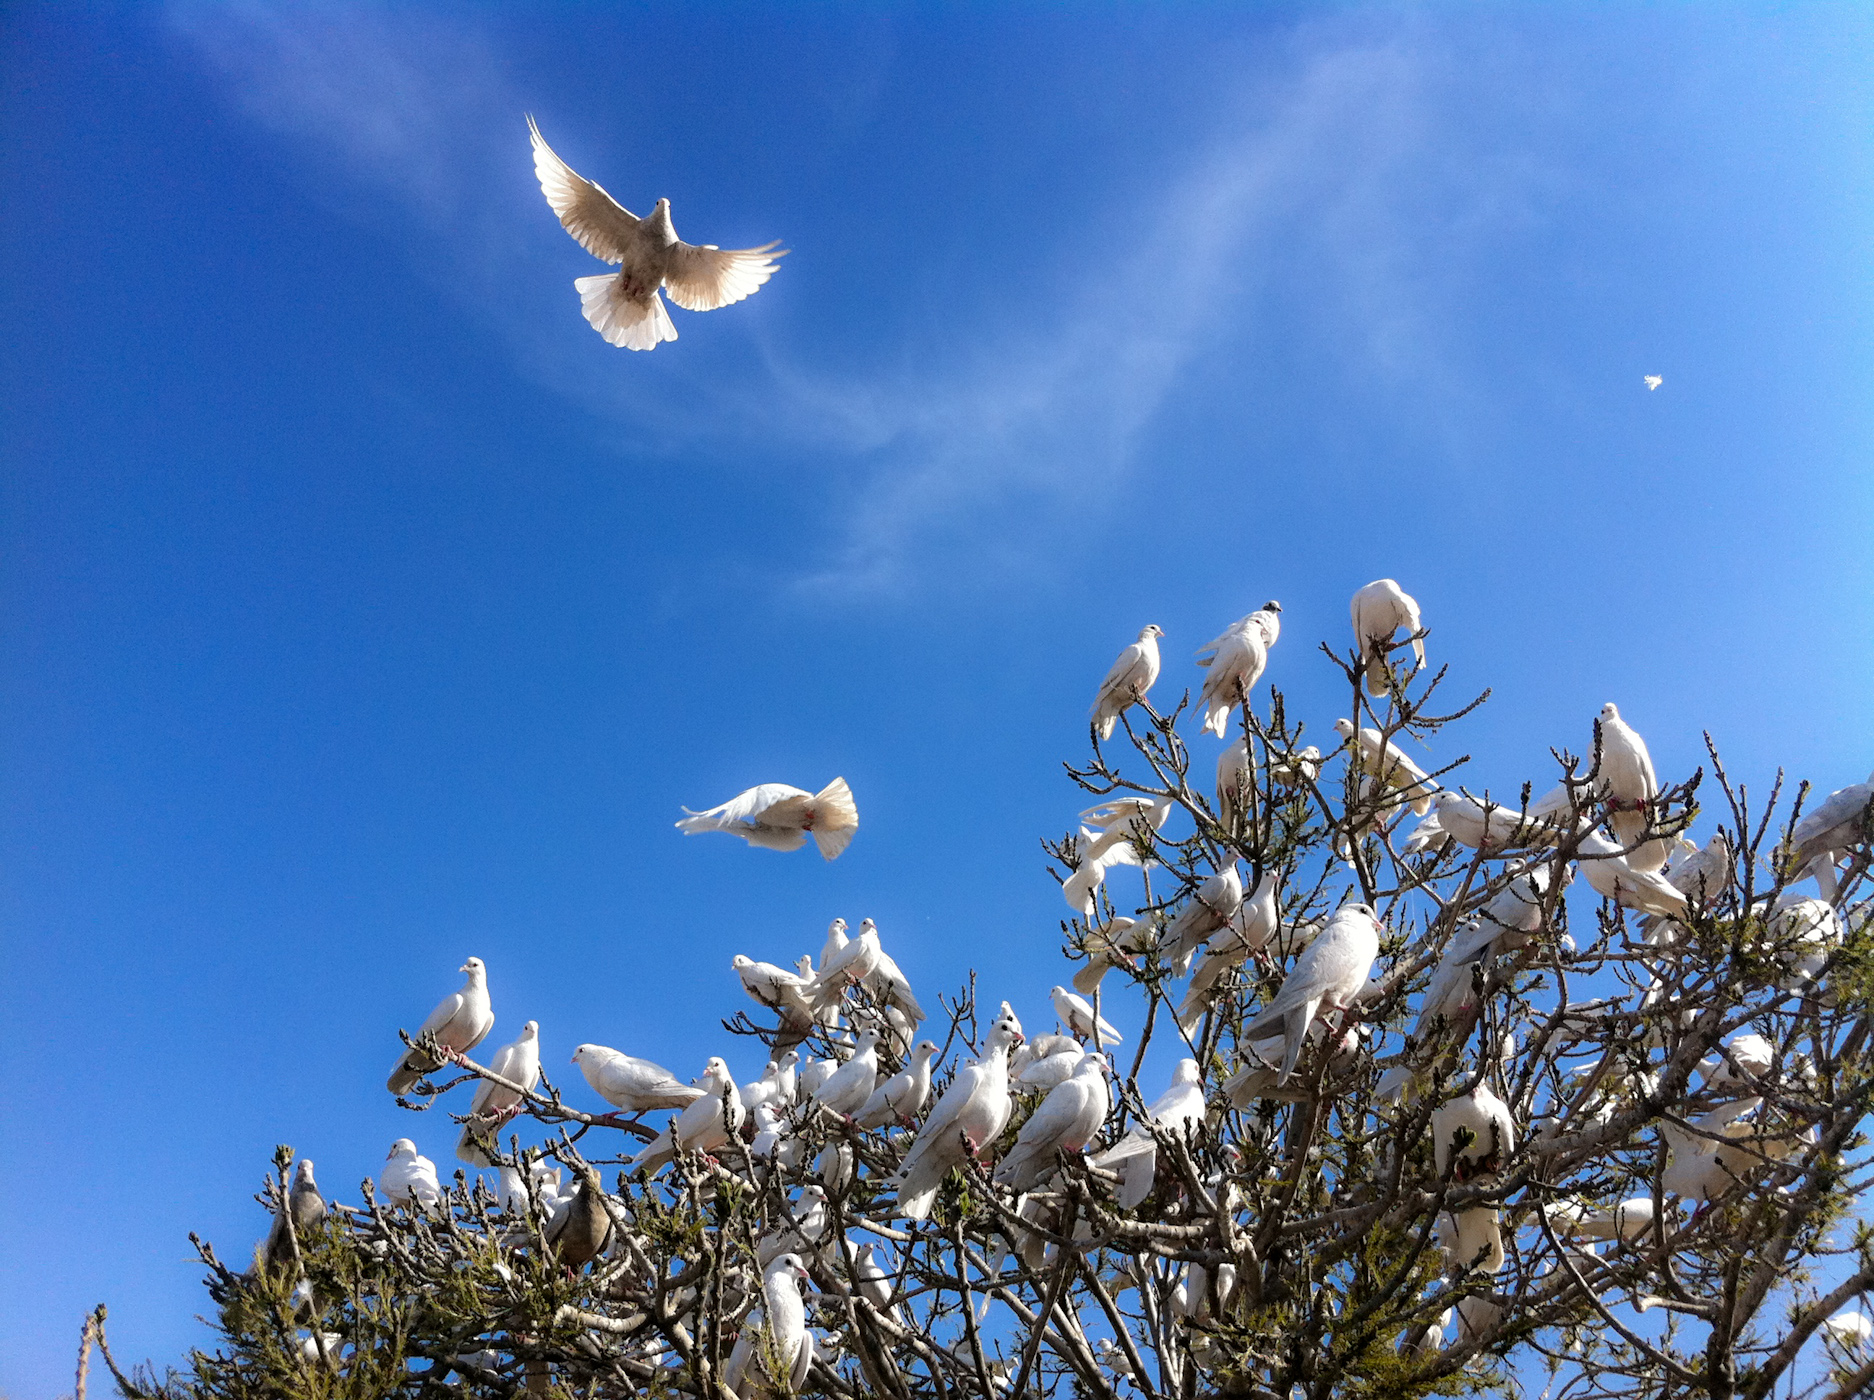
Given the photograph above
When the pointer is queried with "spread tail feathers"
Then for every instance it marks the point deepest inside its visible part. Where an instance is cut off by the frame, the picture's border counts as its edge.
(836, 818)
(621, 319)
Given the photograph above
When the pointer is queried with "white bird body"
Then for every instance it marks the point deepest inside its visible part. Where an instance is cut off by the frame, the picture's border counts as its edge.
(890, 986)
(1080, 888)
(705, 1125)
(1473, 1238)
(1250, 929)
(1744, 1054)
(855, 961)
(1328, 976)
(776, 1085)
(1628, 782)
(1626, 1221)
(459, 1023)
(801, 1231)
(1380, 609)
(1235, 661)
(971, 1112)
(850, 1086)
(1850, 1330)
(1803, 932)
(1076, 1014)
(1046, 1071)
(1209, 910)
(780, 818)
(1695, 1170)
(624, 306)
(1066, 1121)
(636, 1086)
(1703, 875)
(788, 993)
(409, 1176)
(1116, 824)
(519, 1063)
(1835, 826)
(1109, 945)
(871, 1280)
(1492, 1135)
(1488, 826)
(1135, 1156)
(1132, 675)
(904, 1095)
(1386, 762)
(773, 1353)
(1607, 871)
(1236, 775)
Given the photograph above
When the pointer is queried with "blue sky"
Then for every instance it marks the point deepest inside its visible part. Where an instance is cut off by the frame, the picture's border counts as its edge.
(362, 610)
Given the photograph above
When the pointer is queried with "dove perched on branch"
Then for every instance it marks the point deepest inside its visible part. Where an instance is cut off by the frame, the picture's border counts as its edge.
(1076, 1014)
(1607, 871)
(1628, 783)
(903, 1096)
(518, 1062)
(306, 1207)
(1067, 1120)
(774, 1351)
(1234, 662)
(1386, 762)
(1490, 1139)
(1135, 1156)
(1110, 945)
(459, 1023)
(1380, 609)
(1236, 775)
(1487, 826)
(1248, 931)
(972, 1112)
(409, 1175)
(1822, 835)
(1208, 911)
(1133, 674)
(850, 1086)
(705, 1125)
(624, 306)
(578, 1235)
(636, 1086)
(780, 818)
(1328, 976)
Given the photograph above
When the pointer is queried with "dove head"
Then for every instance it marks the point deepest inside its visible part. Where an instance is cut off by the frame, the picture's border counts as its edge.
(837, 926)
(530, 1031)
(717, 1070)
(1151, 629)
(1344, 728)
(926, 1049)
(475, 968)
(740, 961)
(302, 1174)
(867, 926)
(402, 1147)
(1187, 1072)
(1609, 711)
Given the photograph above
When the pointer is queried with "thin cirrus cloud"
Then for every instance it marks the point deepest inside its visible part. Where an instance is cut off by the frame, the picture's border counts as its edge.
(1047, 401)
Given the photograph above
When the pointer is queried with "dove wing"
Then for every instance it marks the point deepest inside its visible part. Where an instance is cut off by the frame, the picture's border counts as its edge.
(706, 277)
(602, 225)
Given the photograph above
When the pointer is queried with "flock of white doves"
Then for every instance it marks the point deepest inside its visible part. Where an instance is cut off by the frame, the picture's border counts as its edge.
(1659, 879)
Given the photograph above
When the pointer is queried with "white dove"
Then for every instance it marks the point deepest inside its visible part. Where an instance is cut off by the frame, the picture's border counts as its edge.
(1045, 1071)
(704, 1126)
(1236, 775)
(1133, 674)
(774, 1351)
(1117, 822)
(1380, 609)
(850, 1086)
(1110, 945)
(636, 1086)
(519, 1062)
(776, 1085)
(1487, 826)
(1066, 1121)
(1626, 1221)
(971, 1112)
(1080, 888)
(1209, 910)
(871, 1280)
(902, 1097)
(1387, 762)
(459, 1023)
(1835, 826)
(1328, 976)
(410, 1176)
(853, 962)
(1478, 1241)
(624, 306)
(1076, 1014)
(1135, 1156)
(1628, 783)
(1235, 661)
(1607, 871)
(780, 818)
(788, 993)
(1249, 931)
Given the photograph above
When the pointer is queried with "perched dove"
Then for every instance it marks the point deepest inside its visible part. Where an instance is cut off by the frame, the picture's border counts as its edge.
(1627, 1221)
(519, 1063)
(1209, 910)
(972, 1111)
(788, 993)
(801, 1230)
(1487, 826)
(1046, 1071)
(1628, 783)
(1110, 945)
(1235, 662)
(774, 1351)
(1066, 1121)
(1236, 776)
(855, 961)
(776, 1085)
(1387, 762)
(871, 1280)
(703, 1126)
(902, 1097)
(1607, 871)
(1135, 1156)
(578, 1235)
(1249, 931)
(1328, 976)
(780, 817)
(1076, 1014)
(624, 306)
(849, 1087)
(1133, 674)
(1835, 826)
(1380, 609)
(1485, 1118)
(410, 1176)
(636, 1086)
(306, 1207)
(459, 1023)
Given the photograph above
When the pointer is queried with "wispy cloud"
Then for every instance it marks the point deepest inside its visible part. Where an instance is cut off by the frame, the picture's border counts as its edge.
(1044, 405)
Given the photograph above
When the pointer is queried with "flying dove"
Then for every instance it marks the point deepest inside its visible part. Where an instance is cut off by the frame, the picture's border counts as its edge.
(459, 1023)
(780, 818)
(624, 306)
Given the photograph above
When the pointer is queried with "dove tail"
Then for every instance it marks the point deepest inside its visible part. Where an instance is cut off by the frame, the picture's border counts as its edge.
(635, 324)
(836, 818)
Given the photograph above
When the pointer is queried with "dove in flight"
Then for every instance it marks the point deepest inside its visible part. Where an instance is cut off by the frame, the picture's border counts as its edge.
(1133, 674)
(624, 306)
(409, 1175)
(1234, 662)
(781, 818)
(517, 1062)
(1653, 381)
(459, 1022)
(636, 1086)
(1381, 608)
(1328, 976)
